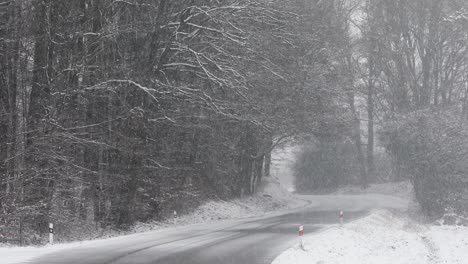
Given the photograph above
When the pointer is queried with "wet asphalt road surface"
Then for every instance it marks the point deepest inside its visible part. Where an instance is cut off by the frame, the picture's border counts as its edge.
(244, 241)
(251, 241)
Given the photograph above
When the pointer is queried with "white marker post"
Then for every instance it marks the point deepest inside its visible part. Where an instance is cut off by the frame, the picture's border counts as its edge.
(301, 233)
(175, 217)
(341, 218)
(51, 233)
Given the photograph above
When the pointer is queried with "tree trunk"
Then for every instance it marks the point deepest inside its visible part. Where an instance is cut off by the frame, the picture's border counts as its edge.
(267, 164)
(357, 141)
(465, 99)
(40, 90)
(370, 130)
(370, 108)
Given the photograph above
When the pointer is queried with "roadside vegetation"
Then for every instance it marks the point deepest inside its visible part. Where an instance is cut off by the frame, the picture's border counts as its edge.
(409, 62)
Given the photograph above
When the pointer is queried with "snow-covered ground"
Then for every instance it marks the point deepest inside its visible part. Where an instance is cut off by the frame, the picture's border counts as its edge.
(402, 189)
(271, 198)
(16, 255)
(382, 237)
(451, 243)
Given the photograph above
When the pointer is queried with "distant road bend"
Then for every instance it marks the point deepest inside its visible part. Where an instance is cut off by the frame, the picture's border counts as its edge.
(244, 241)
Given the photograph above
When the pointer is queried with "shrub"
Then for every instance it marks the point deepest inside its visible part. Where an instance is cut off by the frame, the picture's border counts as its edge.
(430, 147)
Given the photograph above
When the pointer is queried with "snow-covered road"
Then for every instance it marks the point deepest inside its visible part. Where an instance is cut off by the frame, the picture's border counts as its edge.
(252, 240)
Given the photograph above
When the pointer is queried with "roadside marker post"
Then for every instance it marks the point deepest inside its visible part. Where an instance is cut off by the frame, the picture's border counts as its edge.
(341, 218)
(51, 233)
(175, 217)
(301, 233)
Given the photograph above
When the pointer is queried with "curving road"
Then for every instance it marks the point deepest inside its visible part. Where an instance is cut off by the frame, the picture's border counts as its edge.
(244, 241)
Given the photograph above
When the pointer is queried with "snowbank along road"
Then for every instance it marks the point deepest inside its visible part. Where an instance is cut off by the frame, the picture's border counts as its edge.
(249, 241)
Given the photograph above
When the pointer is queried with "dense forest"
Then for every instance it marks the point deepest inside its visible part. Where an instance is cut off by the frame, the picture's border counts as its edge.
(120, 111)
(408, 62)
(116, 111)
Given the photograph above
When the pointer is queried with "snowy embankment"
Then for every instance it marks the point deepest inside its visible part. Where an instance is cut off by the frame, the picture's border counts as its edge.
(382, 237)
(402, 189)
(270, 197)
(17, 255)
